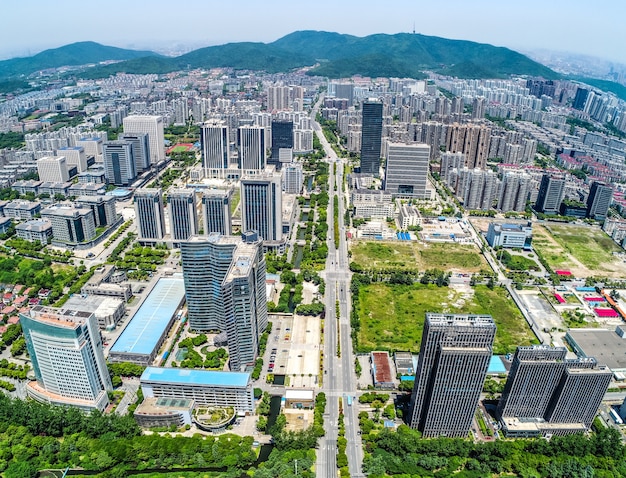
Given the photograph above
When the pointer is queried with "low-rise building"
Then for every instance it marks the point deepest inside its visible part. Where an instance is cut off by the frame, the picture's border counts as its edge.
(107, 310)
(510, 235)
(35, 230)
(22, 210)
(164, 412)
(409, 216)
(70, 225)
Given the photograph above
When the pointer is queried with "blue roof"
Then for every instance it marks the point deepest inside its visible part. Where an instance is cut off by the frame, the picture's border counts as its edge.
(586, 289)
(150, 322)
(496, 365)
(195, 377)
(407, 378)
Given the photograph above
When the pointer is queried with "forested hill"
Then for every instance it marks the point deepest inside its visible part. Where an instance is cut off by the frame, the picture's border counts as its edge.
(335, 55)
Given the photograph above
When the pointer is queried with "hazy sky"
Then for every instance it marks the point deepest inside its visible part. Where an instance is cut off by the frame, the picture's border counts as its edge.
(578, 26)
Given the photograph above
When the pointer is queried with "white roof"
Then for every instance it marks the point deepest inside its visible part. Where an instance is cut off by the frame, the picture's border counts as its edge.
(299, 394)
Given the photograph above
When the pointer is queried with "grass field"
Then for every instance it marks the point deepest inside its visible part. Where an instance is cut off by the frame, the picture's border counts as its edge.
(179, 149)
(392, 316)
(417, 256)
(582, 249)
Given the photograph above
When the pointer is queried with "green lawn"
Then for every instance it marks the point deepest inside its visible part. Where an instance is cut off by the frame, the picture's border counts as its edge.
(417, 256)
(392, 316)
(179, 149)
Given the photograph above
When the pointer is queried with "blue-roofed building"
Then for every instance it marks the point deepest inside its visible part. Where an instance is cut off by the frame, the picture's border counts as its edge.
(143, 336)
(205, 387)
(496, 366)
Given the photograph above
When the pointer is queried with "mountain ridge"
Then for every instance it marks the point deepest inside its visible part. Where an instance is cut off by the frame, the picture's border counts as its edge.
(334, 54)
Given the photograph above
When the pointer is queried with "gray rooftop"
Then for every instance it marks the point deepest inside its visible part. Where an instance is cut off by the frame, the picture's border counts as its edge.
(605, 345)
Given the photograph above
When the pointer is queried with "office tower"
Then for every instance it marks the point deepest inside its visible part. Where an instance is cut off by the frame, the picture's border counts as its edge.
(303, 140)
(149, 214)
(66, 353)
(599, 200)
(215, 148)
(153, 127)
(551, 191)
(251, 148)
(282, 137)
(141, 149)
(406, 171)
(225, 290)
(70, 225)
(580, 99)
(371, 136)
(293, 178)
(261, 206)
(216, 213)
(514, 191)
(53, 169)
(534, 375)
(472, 140)
(119, 163)
(454, 356)
(74, 157)
(103, 208)
(183, 216)
(547, 394)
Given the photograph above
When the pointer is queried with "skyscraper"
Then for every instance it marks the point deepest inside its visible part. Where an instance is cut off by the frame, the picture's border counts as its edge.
(371, 136)
(149, 214)
(261, 206)
(454, 356)
(215, 148)
(551, 191)
(251, 148)
(153, 127)
(282, 137)
(225, 290)
(141, 149)
(547, 394)
(119, 162)
(216, 211)
(514, 191)
(472, 140)
(293, 178)
(599, 200)
(406, 170)
(67, 358)
(183, 215)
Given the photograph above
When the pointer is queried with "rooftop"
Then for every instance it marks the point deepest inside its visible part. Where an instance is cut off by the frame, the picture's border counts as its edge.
(195, 377)
(148, 324)
(605, 345)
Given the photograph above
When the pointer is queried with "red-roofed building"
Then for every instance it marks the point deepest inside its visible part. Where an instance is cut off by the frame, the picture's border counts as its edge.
(20, 301)
(13, 320)
(3, 329)
(34, 301)
(18, 288)
(8, 310)
(381, 370)
(43, 293)
(7, 298)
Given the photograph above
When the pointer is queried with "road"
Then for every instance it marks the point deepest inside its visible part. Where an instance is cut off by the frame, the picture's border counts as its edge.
(339, 378)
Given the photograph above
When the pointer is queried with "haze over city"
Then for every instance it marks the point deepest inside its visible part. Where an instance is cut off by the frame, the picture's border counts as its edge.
(571, 26)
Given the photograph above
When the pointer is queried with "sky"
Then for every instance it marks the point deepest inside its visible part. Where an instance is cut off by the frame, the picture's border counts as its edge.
(576, 26)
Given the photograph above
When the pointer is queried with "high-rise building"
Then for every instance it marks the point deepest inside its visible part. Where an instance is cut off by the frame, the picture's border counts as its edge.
(547, 394)
(344, 90)
(251, 148)
(371, 136)
(514, 191)
(92, 146)
(119, 162)
(551, 192)
(278, 98)
(406, 170)
(580, 99)
(261, 206)
(66, 353)
(214, 142)
(153, 127)
(599, 200)
(103, 208)
(53, 169)
(141, 149)
(293, 178)
(225, 290)
(149, 214)
(454, 357)
(183, 216)
(472, 140)
(216, 211)
(282, 137)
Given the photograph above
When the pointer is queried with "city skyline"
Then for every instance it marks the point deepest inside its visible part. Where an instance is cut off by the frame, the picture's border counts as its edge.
(485, 21)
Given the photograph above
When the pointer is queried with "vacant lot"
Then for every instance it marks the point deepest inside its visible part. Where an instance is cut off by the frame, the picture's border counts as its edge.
(392, 316)
(585, 250)
(417, 256)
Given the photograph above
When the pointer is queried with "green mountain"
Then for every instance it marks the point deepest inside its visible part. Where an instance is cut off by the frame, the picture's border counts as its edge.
(74, 54)
(335, 55)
